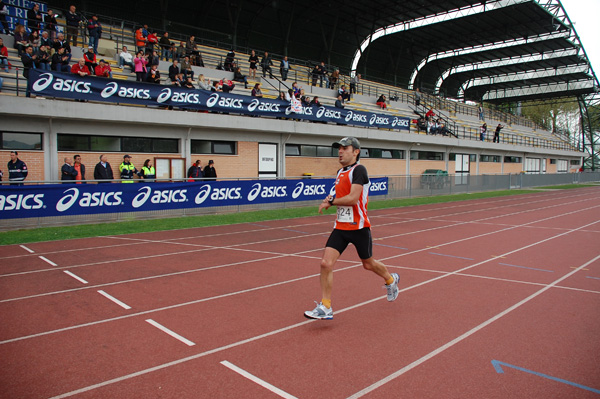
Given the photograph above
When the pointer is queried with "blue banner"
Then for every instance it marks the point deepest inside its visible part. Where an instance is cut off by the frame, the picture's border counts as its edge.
(84, 199)
(64, 85)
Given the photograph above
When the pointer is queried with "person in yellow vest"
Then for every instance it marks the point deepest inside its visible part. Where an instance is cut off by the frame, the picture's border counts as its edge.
(127, 170)
(148, 172)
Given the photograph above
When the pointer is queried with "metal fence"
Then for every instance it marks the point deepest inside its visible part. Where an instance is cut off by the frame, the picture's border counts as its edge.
(399, 187)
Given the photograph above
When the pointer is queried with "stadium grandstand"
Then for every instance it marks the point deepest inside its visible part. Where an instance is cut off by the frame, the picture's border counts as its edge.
(422, 77)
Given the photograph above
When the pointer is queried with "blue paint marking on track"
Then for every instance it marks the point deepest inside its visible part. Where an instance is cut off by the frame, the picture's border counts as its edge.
(451, 256)
(389, 246)
(498, 366)
(524, 267)
(595, 278)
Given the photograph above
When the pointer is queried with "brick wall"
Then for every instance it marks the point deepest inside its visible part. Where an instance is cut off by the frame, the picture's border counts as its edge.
(244, 164)
(513, 168)
(490, 168)
(33, 159)
(320, 166)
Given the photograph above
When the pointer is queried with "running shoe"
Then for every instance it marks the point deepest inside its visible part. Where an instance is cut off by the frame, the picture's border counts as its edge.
(392, 289)
(320, 312)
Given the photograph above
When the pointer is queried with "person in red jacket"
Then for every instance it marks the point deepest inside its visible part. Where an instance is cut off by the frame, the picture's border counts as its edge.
(80, 68)
(103, 70)
(3, 55)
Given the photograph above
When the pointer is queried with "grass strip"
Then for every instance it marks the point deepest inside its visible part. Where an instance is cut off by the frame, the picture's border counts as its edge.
(142, 226)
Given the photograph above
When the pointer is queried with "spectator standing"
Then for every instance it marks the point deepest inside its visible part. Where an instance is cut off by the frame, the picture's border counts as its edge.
(430, 114)
(165, 45)
(324, 76)
(483, 132)
(103, 70)
(17, 169)
(126, 58)
(73, 20)
(140, 62)
(417, 97)
(3, 14)
(148, 172)
(152, 42)
(266, 63)
(50, 24)
(354, 81)
(481, 113)
(68, 172)
(497, 133)
(127, 169)
(190, 45)
(28, 59)
(253, 60)
(103, 170)
(333, 79)
(3, 56)
(210, 173)
(314, 74)
(34, 18)
(153, 59)
(195, 171)
(95, 32)
(80, 68)
(284, 68)
(80, 168)
(140, 39)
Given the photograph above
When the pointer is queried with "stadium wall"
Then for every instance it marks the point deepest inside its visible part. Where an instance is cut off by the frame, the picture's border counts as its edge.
(50, 118)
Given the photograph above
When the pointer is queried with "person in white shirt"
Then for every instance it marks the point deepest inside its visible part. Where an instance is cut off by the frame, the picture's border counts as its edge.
(126, 58)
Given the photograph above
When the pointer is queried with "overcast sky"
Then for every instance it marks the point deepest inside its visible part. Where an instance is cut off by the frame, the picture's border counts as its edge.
(585, 15)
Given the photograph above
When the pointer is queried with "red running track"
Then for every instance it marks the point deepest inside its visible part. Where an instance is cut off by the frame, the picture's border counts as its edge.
(500, 298)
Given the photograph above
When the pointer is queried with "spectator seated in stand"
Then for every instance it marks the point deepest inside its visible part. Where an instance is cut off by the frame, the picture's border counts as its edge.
(34, 40)
(238, 77)
(339, 103)
(43, 58)
(126, 58)
(344, 93)
(174, 71)
(179, 80)
(186, 68)
(228, 64)
(256, 92)
(45, 40)
(226, 85)
(21, 39)
(153, 75)
(381, 102)
(60, 61)
(60, 42)
(203, 84)
(188, 83)
(196, 57)
(430, 114)
(305, 100)
(103, 70)
(153, 59)
(180, 52)
(80, 68)
(315, 101)
(3, 56)
(422, 124)
(90, 59)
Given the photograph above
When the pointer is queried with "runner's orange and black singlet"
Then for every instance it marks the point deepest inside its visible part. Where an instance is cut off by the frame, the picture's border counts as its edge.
(352, 217)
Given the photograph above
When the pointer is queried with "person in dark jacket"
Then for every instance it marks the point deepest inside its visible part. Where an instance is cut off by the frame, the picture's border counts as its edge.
(210, 173)
(95, 32)
(103, 171)
(80, 168)
(73, 20)
(195, 171)
(266, 63)
(17, 169)
(34, 18)
(68, 172)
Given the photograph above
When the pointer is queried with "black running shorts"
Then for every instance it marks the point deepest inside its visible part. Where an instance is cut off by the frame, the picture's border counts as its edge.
(339, 240)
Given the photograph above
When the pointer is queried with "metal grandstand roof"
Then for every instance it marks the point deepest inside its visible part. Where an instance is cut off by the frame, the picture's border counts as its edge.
(495, 50)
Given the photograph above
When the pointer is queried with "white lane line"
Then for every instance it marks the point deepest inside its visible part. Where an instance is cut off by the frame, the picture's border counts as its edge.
(257, 380)
(26, 249)
(171, 333)
(75, 277)
(115, 300)
(462, 337)
(47, 260)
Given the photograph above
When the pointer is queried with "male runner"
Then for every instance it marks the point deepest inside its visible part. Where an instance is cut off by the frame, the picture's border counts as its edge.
(351, 226)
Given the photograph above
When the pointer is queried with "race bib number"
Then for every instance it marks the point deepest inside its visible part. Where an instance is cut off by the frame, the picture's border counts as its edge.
(345, 214)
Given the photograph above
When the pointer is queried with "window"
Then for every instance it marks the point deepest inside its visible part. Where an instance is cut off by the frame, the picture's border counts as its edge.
(214, 147)
(326, 151)
(292, 150)
(508, 159)
(562, 166)
(575, 162)
(427, 155)
(472, 157)
(552, 161)
(21, 141)
(489, 158)
(78, 142)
